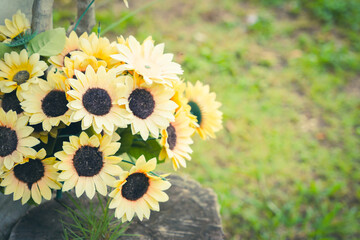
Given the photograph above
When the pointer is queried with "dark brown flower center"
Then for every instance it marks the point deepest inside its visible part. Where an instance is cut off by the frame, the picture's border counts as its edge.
(97, 101)
(196, 111)
(171, 139)
(54, 103)
(11, 102)
(135, 187)
(8, 141)
(21, 77)
(30, 172)
(141, 103)
(88, 161)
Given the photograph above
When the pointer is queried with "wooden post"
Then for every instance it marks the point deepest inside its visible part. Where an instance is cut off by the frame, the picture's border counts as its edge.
(42, 15)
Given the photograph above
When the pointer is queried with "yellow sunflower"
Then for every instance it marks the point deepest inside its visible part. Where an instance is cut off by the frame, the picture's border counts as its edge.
(86, 164)
(80, 62)
(176, 140)
(151, 107)
(123, 41)
(138, 192)
(71, 45)
(149, 61)
(95, 101)
(9, 101)
(205, 108)
(46, 102)
(17, 26)
(15, 142)
(180, 99)
(34, 177)
(98, 47)
(18, 71)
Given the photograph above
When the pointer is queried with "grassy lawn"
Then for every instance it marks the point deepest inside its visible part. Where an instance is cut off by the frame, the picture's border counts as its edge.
(287, 163)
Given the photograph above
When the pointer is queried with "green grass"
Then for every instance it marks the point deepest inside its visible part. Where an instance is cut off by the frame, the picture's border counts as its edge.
(90, 222)
(286, 165)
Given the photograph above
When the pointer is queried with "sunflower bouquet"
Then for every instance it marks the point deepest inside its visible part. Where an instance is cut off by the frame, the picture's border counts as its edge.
(85, 114)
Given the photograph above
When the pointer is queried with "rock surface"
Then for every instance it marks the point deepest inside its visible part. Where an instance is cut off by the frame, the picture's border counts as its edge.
(191, 213)
(10, 213)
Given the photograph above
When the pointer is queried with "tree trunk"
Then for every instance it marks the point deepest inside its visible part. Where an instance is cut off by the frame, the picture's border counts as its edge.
(42, 15)
(87, 22)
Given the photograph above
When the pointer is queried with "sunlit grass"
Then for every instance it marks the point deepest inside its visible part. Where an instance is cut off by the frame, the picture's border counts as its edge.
(286, 165)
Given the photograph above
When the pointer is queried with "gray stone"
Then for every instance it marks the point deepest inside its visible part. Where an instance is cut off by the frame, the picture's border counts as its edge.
(191, 213)
(10, 213)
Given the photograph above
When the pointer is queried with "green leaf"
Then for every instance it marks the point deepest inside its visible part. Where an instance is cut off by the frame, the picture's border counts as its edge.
(126, 140)
(4, 49)
(150, 149)
(49, 43)
(135, 146)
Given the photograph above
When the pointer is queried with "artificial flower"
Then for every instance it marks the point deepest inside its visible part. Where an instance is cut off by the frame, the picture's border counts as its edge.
(80, 62)
(87, 164)
(17, 26)
(98, 47)
(15, 142)
(46, 102)
(18, 71)
(182, 102)
(138, 192)
(34, 177)
(149, 61)
(176, 140)
(71, 45)
(151, 107)
(95, 101)
(205, 108)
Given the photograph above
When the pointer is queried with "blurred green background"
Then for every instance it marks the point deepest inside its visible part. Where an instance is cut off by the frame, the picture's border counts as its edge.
(287, 163)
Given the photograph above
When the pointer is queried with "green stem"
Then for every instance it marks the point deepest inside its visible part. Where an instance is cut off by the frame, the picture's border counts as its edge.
(99, 30)
(58, 194)
(126, 161)
(157, 175)
(50, 146)
(131, 158)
